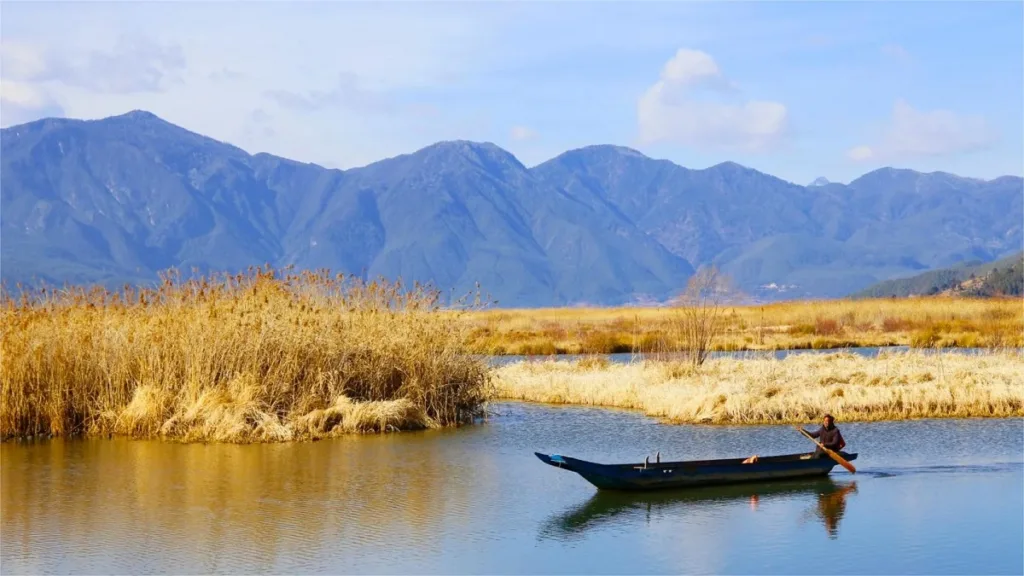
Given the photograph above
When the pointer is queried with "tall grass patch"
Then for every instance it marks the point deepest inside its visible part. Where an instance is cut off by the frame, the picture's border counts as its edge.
(264, 355)
(796, 389)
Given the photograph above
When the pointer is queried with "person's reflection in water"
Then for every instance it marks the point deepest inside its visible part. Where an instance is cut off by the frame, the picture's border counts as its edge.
(832, 506)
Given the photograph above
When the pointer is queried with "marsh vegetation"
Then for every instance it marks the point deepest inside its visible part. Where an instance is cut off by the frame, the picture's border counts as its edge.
(827, 324)
(796, 389)
(259, 356)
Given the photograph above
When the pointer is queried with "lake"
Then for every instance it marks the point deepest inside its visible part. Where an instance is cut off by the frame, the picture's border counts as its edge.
(930, 497)
(625, 357)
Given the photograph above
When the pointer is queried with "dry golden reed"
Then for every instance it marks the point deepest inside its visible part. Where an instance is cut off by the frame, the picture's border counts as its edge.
(260, 356)
(796, 389)
(918, 322)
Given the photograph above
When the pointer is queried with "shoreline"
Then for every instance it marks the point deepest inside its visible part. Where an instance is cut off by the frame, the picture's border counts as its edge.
(896, 387)
(798, 347)
(934, 322)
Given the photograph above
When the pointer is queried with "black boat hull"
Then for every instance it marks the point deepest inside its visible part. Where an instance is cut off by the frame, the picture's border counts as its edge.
(666, 475)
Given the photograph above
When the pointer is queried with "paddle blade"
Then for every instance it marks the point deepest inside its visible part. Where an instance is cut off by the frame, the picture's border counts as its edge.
(842, 461)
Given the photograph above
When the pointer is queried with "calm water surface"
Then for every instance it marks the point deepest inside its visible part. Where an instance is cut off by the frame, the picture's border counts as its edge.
(934, 497)
(865, 351)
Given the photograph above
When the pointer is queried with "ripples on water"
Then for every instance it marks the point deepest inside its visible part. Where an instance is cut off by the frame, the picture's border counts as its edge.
(930, 497)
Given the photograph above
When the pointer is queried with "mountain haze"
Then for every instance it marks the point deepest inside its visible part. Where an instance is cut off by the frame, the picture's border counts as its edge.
(121, 198)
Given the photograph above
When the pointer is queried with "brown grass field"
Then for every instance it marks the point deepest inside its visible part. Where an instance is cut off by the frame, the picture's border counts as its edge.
(261, 356)
(797, 389)
(275, 356)
(915, 322)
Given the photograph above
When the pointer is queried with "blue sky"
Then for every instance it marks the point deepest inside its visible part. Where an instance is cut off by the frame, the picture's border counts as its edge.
(795, 89)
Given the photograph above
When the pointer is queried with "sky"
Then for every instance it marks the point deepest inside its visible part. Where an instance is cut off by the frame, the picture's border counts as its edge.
(794, 89)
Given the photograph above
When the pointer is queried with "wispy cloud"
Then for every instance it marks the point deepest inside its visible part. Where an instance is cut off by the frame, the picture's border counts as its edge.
(348, 93)
(227, 75)
(135, 64)
(914, 133)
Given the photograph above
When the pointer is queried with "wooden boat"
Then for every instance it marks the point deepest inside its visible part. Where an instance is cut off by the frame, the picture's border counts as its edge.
(684, 474)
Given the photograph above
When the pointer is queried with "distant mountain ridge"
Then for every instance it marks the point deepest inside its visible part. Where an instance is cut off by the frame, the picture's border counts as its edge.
(1002, 277)
(121, 198)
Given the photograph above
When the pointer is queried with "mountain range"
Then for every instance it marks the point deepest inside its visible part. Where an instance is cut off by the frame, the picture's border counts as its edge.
(118, 199)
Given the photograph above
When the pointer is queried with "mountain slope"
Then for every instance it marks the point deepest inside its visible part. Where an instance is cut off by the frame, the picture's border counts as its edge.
(826, 239)
(970, 278)
(125, 196)
(121, 198)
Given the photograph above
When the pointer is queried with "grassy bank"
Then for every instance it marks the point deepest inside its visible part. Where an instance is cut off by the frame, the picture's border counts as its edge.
(797, 389)
(916, 322)
(261, 356)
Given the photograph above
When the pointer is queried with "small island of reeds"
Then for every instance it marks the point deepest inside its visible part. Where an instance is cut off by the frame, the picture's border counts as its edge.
(796, 389)
(260, 356)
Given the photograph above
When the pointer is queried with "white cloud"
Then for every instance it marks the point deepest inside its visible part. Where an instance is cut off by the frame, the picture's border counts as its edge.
(521, 133)
(35, 78)
(677, 108)
(914, 133)
(690, 69)
(22, 102)
(134, 64)
(21, 93)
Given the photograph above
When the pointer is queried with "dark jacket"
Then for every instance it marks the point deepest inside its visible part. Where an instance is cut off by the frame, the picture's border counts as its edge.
(830, 438)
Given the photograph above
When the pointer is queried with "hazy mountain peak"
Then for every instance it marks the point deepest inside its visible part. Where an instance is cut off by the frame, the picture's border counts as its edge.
(728, 165)
(907, 180)
(449, 152)
(820, 181)
(610, 149)
(139, 115)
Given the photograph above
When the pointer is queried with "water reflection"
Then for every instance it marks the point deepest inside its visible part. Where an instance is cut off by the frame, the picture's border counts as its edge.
(626, 357)
(476, 500)
(232, 507)
(611, 508)
(831, 507)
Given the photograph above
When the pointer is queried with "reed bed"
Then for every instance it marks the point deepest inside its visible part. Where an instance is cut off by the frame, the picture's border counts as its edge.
(264, 355)
(917, 322)
(797, 389)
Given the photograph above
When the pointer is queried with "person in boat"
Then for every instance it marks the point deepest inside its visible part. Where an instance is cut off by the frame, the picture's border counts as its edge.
(829, 436)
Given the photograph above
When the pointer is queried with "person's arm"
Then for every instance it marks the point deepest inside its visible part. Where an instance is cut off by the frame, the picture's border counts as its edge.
(816, 433)
(842, 441)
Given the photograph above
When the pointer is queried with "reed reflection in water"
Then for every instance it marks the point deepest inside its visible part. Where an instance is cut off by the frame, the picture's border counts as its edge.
(118, 506)
(945, 498)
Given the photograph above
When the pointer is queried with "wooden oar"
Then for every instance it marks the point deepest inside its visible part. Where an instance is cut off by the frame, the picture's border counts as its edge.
(842, 462)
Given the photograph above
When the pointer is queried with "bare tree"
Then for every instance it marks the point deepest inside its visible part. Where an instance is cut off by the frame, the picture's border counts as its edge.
(701, 318)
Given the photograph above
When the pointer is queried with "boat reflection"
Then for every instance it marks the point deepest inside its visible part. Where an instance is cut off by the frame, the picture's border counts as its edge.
(606, 508)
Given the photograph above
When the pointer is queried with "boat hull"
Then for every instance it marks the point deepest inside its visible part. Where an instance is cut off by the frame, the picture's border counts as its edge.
(666, 475)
